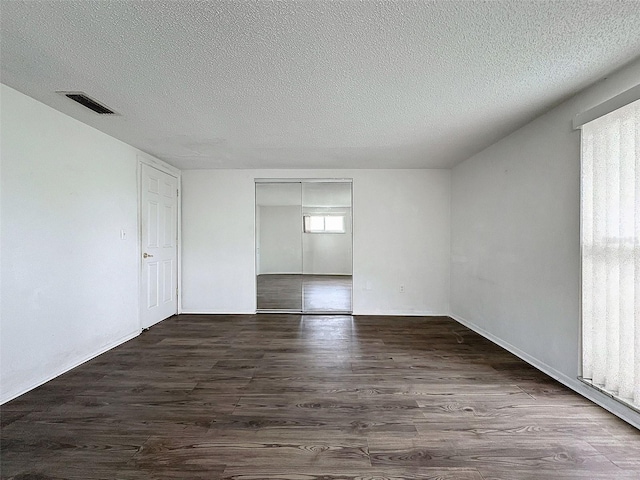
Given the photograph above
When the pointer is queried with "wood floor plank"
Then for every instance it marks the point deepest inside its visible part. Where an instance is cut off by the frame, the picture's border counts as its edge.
(571, 455)
(239, 449)
(233, 473)
(301, 397)
(507, 473)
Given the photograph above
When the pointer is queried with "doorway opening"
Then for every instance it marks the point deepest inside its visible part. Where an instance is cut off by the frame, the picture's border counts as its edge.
(304, 246)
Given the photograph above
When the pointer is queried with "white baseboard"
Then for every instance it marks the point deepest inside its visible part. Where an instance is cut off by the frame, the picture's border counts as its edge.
(216, 312)
(279, 273)
(388, 313)
(314, 274)
(606, 402)
(66, 368)
(398, 313)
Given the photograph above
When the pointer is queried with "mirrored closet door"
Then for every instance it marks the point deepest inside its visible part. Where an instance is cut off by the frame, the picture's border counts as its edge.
(304, 246)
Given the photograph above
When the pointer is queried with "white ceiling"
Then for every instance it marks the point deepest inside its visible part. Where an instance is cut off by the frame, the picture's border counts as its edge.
(248, 84)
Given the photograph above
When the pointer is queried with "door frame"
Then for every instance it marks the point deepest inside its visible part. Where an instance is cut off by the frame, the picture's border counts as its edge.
(174, 172)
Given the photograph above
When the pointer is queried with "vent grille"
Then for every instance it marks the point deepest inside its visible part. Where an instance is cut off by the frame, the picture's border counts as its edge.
(88, 102)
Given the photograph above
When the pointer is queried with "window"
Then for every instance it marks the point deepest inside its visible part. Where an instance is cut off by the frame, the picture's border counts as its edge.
(324, 224)
(611, 253)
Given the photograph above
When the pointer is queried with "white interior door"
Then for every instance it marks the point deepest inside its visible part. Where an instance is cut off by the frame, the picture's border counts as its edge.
(159, 222)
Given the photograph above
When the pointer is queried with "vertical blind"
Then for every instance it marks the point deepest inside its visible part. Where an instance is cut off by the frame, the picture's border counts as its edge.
(611, 253)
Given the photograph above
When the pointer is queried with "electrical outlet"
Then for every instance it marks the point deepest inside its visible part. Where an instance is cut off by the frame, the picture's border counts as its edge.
(401, 288)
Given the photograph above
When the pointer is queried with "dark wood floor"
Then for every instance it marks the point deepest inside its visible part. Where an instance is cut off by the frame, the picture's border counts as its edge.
(305, 293)
(311, 397)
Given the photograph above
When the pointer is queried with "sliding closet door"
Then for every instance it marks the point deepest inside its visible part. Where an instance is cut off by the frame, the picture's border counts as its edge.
(326, 247)
(304, 246)
(279, 246)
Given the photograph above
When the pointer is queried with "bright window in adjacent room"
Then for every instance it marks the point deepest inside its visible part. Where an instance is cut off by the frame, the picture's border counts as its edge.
(611, 253)
(324, 224)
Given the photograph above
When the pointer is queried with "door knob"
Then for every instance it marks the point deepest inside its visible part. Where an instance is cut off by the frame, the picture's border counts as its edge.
(146, 255)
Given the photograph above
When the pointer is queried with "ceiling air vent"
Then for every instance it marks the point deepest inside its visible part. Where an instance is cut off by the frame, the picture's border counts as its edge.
(86, 101)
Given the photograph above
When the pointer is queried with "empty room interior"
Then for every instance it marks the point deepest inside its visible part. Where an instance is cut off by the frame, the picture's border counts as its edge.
(320, 240)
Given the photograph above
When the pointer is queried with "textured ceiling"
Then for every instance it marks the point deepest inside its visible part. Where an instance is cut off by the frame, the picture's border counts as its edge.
(393, 84)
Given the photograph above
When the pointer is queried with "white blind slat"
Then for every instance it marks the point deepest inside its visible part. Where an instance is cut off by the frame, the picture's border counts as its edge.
(627, 274)
(636, 260)
(587, 262)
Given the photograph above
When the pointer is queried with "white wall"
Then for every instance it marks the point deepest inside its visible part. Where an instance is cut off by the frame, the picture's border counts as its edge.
(328, 253)
(280, 239)
(69, 283)
(285, 249)
(515, 237)
(218, 263)
(401, 235)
